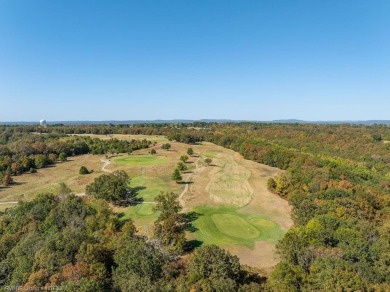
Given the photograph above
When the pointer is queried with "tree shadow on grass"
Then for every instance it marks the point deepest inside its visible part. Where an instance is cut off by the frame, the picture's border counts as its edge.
(17, 183)
(121, 214)
(132, 198)
(188, 218)
(190, 245)
(184, 182)
(135, 191)
(249, 275)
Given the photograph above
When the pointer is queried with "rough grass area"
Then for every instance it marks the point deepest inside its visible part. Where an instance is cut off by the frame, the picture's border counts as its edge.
(27, 185)
(140, 160)
(229, 182)
(227, 226)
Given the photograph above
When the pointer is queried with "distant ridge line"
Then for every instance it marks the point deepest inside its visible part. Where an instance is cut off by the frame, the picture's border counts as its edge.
(175, 121)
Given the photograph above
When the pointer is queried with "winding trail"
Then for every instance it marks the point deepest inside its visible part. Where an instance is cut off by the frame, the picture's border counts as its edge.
(187, 181)
(106, 162)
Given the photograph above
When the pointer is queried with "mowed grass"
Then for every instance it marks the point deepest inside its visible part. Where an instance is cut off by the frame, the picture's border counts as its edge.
(227, 226)
(233, 225)
(146, 189)
(141, 160)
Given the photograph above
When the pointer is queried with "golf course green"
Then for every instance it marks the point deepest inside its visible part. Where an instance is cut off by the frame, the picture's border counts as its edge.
(226, 225)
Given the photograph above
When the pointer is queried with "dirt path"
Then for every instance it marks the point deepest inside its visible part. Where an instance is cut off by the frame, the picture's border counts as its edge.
(7, 203)
(106, 162)
(187, 181)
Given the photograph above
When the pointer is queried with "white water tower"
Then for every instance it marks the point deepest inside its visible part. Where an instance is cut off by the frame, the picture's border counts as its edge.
(43, 123)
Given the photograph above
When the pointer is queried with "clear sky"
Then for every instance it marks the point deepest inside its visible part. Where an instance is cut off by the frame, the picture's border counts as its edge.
(252, 60)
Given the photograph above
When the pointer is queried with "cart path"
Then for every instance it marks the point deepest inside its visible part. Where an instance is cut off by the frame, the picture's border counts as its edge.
(187, 181)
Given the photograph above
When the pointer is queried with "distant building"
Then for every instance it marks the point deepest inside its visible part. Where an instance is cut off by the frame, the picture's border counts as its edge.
(43, 123)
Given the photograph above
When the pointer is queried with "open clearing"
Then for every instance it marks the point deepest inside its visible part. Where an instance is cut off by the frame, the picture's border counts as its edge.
(231, 204)
(47, 179)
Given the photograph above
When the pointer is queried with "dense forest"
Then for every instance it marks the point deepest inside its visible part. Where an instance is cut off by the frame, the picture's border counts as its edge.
(337, 178)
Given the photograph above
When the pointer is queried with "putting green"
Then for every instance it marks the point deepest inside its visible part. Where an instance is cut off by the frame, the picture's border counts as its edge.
(235, 226)
(141, 160)
(227, 226)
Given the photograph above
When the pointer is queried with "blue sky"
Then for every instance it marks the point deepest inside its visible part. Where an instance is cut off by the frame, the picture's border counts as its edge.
(252, 60)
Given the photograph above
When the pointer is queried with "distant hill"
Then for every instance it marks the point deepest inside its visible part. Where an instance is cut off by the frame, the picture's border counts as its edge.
(286, 121)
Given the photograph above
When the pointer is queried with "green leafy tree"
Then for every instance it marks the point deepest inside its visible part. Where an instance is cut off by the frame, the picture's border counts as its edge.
(138, 266)
(376, 137)
(169, 226)
(166, 146)
(212, 262)
(7, 179)
(40, 160)
(25, 162)
(271, 184)
(182, 166)
(62, 157)
(208, 161)
(153, 152)
(184, 158)
(83, 170)
(176, 176)
(190, 151)
(112, 187)
(52, 158)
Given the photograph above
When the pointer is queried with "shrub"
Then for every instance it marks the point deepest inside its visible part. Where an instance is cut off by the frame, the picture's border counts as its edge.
(83, 170)
(62, 157)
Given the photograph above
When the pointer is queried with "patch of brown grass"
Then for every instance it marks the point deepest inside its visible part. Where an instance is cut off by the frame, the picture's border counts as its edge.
(47, 179)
